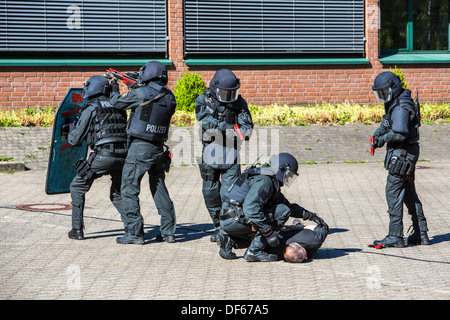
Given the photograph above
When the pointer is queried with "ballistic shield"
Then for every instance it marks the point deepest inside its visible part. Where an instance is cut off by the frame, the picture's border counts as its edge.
(63, 155)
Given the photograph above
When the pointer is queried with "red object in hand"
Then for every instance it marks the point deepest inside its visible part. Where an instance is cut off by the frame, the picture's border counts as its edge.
(372, 148)
(238, 130)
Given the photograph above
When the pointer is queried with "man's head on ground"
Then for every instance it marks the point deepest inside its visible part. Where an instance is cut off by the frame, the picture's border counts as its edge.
(295, 253)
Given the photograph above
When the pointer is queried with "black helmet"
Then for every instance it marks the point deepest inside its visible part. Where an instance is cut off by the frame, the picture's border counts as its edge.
(225, 86)
(387, 86)
(285, 167)
(96, 86)
(153, 71)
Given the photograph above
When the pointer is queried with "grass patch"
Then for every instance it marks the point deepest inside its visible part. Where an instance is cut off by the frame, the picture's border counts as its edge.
(274, 115)
(6, 159)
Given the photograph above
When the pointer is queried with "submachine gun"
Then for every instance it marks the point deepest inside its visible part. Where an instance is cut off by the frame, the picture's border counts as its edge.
(128, 78)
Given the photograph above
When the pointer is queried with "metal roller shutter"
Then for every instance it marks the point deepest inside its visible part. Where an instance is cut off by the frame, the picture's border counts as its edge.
(259, 26)
(102, 25)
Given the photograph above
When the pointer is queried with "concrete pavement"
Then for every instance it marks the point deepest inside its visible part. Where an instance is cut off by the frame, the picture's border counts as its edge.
(38, 261)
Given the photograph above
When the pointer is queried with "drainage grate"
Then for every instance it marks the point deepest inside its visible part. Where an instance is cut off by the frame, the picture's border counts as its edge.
(45, 206)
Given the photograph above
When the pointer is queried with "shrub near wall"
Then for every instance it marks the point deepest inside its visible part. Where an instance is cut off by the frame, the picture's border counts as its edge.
(187, 89)
(326, 114)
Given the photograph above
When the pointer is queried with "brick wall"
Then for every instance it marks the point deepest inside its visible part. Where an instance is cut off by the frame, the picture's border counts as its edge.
(262, 85)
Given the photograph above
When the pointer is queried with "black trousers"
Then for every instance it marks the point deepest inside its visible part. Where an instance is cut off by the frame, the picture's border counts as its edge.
(101, 165)
(144, 157)
(214, 186)
(402, 190)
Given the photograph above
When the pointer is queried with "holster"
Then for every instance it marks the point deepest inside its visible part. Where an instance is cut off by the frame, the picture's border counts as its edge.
(236, 213)
(83, 168)
(399, 164)
(166, 159)
(208, 174)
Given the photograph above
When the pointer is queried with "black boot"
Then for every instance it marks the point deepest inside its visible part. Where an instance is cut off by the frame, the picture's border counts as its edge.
(214, 236)
(130, 239)
(391, 241)
(253, 255)
(224, 242)
(76, 234)
(424, 238)
(418, 237)
(164, 238)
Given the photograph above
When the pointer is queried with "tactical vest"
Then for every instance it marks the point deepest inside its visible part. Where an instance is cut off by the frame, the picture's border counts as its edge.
(224, 113)
(151, 119)
(109, 124)
(414, 119)
(239, 189)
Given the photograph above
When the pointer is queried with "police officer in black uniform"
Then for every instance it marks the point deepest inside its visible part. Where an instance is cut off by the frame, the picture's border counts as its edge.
(400, 131)
(225, 123)
(255, 209)
(152, 105)
(104, 129)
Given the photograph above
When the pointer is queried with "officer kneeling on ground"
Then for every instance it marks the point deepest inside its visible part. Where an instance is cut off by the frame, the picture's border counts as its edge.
(255, 210)
(400, 131)
(104, 129)
(152, 105)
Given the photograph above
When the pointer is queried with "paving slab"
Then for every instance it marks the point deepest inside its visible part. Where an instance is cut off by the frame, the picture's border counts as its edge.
(38, 260)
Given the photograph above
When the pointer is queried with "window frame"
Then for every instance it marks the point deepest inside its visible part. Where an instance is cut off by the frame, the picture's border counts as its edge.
(409, 50)
(272, 58)
(125, 57)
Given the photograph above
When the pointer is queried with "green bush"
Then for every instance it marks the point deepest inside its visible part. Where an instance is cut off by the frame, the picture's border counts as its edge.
(28, 117)
(187, 89)
(400, 74)
(273, 115)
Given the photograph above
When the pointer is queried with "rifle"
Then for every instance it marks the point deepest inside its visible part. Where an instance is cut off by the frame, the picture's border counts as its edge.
(128, 78)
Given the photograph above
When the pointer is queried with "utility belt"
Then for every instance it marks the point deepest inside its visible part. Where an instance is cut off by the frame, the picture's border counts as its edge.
(399, 164)
(164, 158)
(116, 150)
(113, 150)
(131, 139)
(236, 213)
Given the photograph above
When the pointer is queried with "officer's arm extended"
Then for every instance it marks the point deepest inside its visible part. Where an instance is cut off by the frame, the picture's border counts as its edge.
(128, 100)
(298, 211)
(77, 135)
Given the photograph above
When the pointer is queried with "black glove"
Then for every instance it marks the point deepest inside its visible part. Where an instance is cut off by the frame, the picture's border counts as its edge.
(379, 142)
(320, 221)
(114, 86)
(272, 237)
(223, 126)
